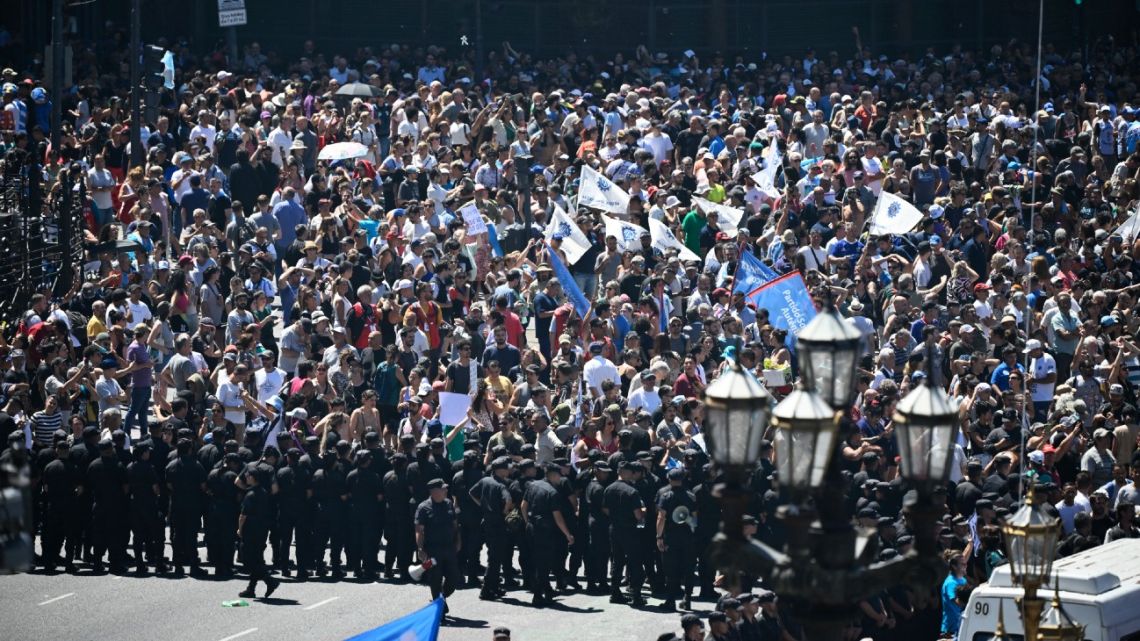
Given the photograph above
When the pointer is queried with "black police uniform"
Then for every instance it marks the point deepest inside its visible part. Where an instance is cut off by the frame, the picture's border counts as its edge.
(59, 484)
(493, 499)
(186, 480)
(709, 508)
(542, 502)
(329, 485)
(470, 519)
(145, 524)
(366, 493)
(598, 551)
(622, 500)
(107, 482)
(647, 487)
(519, 538)
(224, 508)
(440, 527)
(680, 553)
(255, 507)
(398, 527)
(292, 488)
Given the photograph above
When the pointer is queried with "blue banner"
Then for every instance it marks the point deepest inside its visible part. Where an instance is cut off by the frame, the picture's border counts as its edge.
(751, 273)
(493, 239)
(573, 292)
(421, 625)
(787, 300)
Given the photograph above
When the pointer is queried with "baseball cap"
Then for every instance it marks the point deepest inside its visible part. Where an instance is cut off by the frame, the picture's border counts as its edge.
(1031, 345)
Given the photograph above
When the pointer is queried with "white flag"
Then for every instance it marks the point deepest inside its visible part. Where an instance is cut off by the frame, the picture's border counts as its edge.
(599, 192)
(628, 235)
(1130, 228)
(574, 242)
(728, 218)
(893, 215)
(766, 177)
(664, 239)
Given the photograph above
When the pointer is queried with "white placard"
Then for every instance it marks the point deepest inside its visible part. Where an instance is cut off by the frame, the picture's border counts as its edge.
(474, 220)
(453, 407)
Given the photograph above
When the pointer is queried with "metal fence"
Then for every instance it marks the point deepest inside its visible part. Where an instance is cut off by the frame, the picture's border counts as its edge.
(41, 240)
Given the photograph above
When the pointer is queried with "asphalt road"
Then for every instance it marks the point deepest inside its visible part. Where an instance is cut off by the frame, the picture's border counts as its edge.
(128, 608)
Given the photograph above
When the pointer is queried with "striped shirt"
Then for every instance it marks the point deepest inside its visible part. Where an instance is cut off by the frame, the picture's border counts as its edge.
(44, 426)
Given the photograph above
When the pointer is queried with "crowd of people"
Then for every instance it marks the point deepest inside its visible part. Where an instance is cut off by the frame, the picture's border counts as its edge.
(260, 342)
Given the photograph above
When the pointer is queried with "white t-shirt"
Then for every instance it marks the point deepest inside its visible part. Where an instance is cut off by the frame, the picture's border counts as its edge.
(984, 311)
(1041, 367)
(229, 393)
(101, 179)
(140, 313)
(268, 383)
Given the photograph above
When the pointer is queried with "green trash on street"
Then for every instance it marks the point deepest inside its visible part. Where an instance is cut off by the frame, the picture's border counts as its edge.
(239, 603)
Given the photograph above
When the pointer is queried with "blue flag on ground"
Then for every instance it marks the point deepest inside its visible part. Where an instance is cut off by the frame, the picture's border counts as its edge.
(787, 300)
(421, 625)
(751, 273)
(573, 292)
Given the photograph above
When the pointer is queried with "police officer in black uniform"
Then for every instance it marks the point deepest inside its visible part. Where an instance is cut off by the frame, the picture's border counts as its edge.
(59, 486)
(366, 492)
(622, 503)
(253, 529)
(676, 540)
(398, 527)
(493, 501)
(598, 551)
(291, 487)
(83, 454)
(709, 507)
(224, 508)
(527, 471)
(330, 486)
(546, 515)
(145, 523)
(187, 483)
(107, 482)
(470, 516)
(437, 538)
(647, 484)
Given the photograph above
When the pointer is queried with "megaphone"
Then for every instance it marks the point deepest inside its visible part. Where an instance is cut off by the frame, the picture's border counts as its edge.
(683, 516)
(417, 571)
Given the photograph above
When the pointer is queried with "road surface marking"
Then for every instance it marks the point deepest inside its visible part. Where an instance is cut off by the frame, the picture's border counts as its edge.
(58, 598)
(320, 603)
(240, 634)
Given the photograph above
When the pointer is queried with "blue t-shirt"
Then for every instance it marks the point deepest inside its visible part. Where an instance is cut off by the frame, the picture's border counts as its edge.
(951, 611)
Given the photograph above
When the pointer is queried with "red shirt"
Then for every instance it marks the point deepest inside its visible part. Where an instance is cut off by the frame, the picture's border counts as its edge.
(514, 327)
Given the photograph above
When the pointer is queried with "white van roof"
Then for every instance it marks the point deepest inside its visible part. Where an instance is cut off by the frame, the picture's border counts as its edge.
(1093, 572)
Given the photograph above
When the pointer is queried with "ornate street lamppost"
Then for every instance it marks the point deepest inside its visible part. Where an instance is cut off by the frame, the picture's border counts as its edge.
(1031, 544)
(737, 409)
(829, 352)
(827, 567)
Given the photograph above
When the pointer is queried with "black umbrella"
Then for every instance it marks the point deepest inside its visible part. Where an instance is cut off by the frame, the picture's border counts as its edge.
(358, 89)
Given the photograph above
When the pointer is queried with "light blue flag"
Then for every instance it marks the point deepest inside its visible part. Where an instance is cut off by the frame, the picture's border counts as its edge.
(421, 625)
(573, 292)
(751, 273)
(493, 238)
(168, 69)
(787, 300)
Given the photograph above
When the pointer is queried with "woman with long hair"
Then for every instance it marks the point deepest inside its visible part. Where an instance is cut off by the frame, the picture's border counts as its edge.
(486, 410)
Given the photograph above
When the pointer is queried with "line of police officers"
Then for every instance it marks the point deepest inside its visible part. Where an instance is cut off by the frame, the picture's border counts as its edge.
(612, 516)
